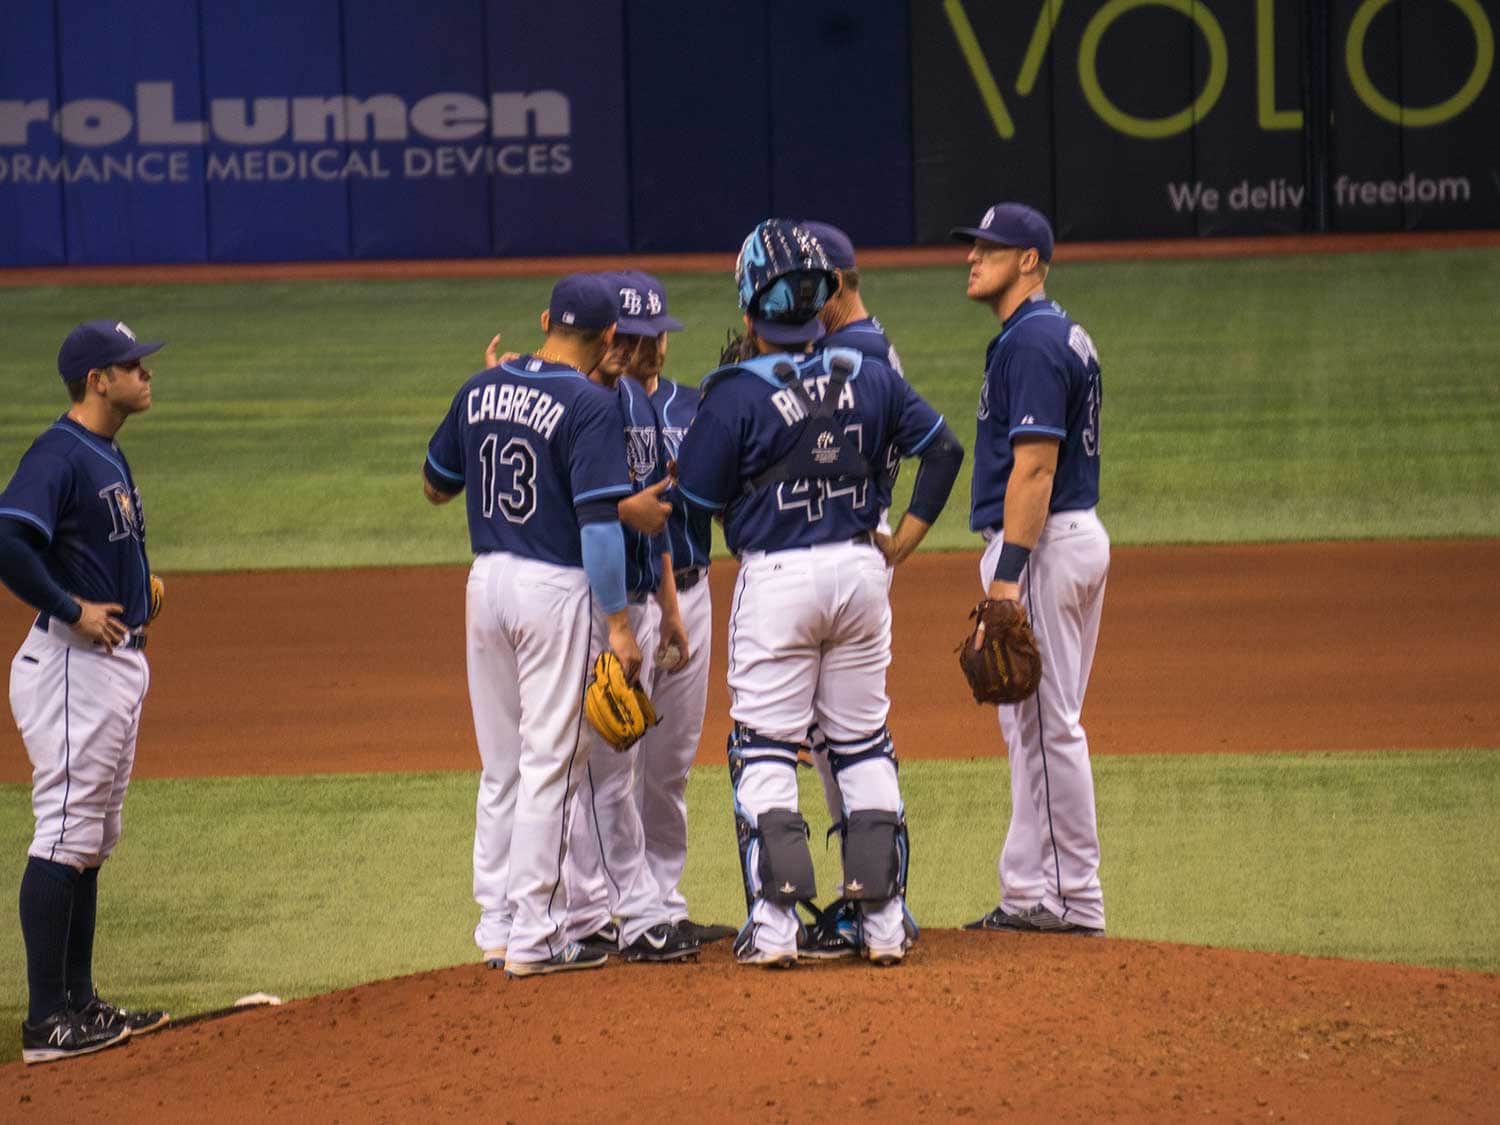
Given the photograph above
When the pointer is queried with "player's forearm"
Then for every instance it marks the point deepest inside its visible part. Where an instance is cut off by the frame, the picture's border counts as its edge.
(603, 548)
(1027, 498)
(25, 574)
(938, 469)
(666, 590)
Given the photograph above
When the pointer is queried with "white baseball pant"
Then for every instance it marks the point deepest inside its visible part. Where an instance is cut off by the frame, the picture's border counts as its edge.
(1051, 852)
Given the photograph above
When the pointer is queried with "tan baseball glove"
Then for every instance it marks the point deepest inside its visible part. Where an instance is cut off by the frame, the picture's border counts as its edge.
(158, 598)
(1000, 658)
(620, 711)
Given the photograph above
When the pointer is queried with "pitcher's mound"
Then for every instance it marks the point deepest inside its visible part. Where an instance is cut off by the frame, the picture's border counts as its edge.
(973, 1025)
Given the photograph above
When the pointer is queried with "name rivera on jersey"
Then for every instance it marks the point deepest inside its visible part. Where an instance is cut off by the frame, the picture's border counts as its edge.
(509, 402)
(790, 406)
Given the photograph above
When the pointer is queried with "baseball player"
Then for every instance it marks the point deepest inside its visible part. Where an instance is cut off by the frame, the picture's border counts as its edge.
(785, 444)
(1035, 486)
(847, 323)
(614, 900)
(539, 451)
(73, 547)
(679, 688)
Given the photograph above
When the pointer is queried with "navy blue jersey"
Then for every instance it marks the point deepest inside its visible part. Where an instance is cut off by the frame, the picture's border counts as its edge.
(690, 527)
(868, 336)
(75, 488)
(643, 452)
(1041, 377)
(528, 441)
(747, 422)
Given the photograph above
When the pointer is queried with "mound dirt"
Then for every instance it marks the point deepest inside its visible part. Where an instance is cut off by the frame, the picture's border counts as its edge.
(1313, 646)
(973, 1026)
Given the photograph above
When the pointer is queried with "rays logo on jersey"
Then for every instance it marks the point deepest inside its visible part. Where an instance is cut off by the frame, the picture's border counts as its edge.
(640, 451)
(984, 399)
(671, 437)
(124, 513)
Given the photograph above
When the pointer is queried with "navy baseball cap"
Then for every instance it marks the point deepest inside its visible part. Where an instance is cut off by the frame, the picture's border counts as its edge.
(583, 300)
(99, 343)
(1011, 224)
(836, 244)
(643, 304)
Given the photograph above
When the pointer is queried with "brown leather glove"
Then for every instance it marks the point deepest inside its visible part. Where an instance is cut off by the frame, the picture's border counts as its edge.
(1000, 658)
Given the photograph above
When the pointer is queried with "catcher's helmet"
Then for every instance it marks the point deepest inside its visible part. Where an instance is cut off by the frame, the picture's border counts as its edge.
(784, 278)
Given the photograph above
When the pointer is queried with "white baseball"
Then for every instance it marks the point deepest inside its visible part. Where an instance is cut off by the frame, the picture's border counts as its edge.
(671, 657)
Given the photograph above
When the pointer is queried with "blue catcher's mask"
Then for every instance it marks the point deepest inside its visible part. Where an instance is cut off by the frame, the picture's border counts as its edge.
(784, 278)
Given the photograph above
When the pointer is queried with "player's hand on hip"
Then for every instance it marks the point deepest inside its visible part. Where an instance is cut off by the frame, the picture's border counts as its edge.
(623, 644)
(100, 622)
(672, 653)
(646, 511)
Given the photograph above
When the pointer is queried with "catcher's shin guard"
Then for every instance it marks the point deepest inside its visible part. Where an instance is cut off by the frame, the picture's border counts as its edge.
(775, 861)
(874, 855)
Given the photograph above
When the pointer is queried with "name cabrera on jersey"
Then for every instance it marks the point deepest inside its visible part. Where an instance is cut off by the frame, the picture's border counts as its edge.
(1041, 377)
(689, 526)
(868, 337)
(747, 422)
(643, 454)
(75, 488)
(527, 441)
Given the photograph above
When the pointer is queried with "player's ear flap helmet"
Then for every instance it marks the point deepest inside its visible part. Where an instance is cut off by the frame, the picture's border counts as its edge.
(784, 278)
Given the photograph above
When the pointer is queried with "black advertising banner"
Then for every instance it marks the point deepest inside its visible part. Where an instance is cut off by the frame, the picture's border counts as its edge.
(1364, 151)
(1142, 118)
(1248, 145)
(1448, 111)
(981, 109)
(1123, 118)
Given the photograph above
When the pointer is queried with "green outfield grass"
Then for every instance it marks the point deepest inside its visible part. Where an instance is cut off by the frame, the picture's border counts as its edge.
(1248, 399)
(300, 885)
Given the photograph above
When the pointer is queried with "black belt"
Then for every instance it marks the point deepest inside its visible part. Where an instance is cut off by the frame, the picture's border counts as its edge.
(134, 641)
(688, 577)
(864, 538)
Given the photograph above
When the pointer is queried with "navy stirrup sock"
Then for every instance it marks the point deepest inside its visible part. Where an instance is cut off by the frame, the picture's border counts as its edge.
(46, 912)
(80, 962)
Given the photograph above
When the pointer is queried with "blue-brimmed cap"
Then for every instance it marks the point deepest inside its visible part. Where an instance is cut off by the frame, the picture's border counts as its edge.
(583, 300)
(642, 304)
(99, 343)
(1011, 224)
(836, 244)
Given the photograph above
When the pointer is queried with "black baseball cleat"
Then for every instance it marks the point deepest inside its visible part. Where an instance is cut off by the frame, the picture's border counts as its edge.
(832, 934)
(662, 942)
(573, 956)
(63, 1035)
(998, 919)
(100, 1013)
(606, 939)
(705, 933)
(1033, 920)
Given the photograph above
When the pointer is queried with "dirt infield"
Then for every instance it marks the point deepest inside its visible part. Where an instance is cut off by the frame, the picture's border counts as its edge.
(1337, 646)
(1329, 646)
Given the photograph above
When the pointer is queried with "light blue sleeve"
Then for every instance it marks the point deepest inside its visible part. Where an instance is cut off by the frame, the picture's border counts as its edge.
(604, 562)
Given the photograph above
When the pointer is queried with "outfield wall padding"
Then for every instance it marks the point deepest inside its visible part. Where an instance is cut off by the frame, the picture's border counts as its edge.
(187, 131)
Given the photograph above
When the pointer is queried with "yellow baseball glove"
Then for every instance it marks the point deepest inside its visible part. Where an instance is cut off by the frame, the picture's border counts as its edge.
(158, 598)
(620, 711)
